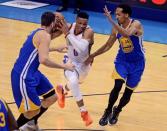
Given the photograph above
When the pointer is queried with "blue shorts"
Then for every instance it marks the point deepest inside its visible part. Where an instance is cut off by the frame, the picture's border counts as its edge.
(131, 72)
(27, 91)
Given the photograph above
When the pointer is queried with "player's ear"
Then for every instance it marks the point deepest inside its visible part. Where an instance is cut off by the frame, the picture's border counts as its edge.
(52, 24)
(126, 15)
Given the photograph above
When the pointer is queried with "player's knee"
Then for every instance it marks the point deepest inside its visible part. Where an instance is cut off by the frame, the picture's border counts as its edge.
(118, 83)
(49, 99)
(78, 97)
(74, 86)
(127, 94)
(73, 83)
(31, 114)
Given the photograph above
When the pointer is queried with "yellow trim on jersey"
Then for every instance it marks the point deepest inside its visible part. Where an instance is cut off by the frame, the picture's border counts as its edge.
(3, 101)
(32, 106)
(35, 44)
(48, 92)
(131, 88)
(115, 75)
(21, 108)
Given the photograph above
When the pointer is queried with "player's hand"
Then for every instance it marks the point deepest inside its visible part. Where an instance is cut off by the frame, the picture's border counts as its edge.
(89, 60)
(69, 66)
(63, 27)
(107, 13)
(61, 49)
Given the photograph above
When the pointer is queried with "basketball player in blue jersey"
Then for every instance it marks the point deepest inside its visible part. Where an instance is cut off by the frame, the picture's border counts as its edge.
(129, 62)
(28, 83)
(7, 120)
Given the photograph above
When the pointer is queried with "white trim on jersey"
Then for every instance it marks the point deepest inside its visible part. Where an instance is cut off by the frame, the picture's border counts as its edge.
(23, 76)
(141, 44)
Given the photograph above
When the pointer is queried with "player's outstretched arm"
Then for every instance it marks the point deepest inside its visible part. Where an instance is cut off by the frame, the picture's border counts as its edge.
(135, 29)
(111, 40)
(60, 49)
(43, 51)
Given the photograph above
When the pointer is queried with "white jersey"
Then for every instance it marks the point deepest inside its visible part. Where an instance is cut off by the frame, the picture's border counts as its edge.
(73, 55)
(78, 58)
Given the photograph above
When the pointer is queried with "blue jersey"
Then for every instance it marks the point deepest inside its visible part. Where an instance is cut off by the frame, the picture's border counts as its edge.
(4, 125)
(28, 83)
(28, 62)
(130, 60)
(130, 48)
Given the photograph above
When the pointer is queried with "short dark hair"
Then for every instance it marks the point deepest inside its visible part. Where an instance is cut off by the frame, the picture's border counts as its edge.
(83, 15)
(47, 18)
(126, 9)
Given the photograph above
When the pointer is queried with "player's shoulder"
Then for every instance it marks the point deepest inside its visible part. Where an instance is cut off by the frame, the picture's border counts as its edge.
(42, 34)
(89, 29)
(136, 22)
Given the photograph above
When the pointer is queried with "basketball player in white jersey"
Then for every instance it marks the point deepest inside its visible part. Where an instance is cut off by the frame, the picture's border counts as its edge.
(80, 38)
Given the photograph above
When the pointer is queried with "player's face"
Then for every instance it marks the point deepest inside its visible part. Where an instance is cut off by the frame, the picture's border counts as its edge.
(58, 18)
(120, 16)
(81, 24)
(54, 26)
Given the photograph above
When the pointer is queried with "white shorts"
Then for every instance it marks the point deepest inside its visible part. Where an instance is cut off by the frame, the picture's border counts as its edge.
(81, 70)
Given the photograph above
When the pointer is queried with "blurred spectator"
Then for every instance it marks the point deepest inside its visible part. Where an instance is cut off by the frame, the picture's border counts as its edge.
(78, 4)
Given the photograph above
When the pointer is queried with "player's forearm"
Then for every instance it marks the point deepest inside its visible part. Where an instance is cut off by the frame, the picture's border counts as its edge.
(79, 45)
(47, 62)
(57, 48)
(52, 49)
(102, 50)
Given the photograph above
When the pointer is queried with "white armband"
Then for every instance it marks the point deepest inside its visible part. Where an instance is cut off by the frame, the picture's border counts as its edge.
(79, 45)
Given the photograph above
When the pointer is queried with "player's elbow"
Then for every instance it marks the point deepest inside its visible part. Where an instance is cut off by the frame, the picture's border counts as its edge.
(43, 60)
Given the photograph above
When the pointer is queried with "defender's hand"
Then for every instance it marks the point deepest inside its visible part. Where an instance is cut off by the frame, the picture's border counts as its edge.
(89, 60)
(107, 13)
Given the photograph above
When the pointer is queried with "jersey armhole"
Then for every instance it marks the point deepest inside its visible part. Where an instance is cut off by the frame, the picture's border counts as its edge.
(33, 41)
(4, 104)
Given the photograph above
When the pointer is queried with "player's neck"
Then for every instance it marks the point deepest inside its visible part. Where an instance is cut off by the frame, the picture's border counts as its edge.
(47, 29)
(76, 32)
(126, 24)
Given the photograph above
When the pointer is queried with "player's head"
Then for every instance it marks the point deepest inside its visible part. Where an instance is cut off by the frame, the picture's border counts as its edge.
(123, 12)
(48, 20)
(82, 21)
(59, 16)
